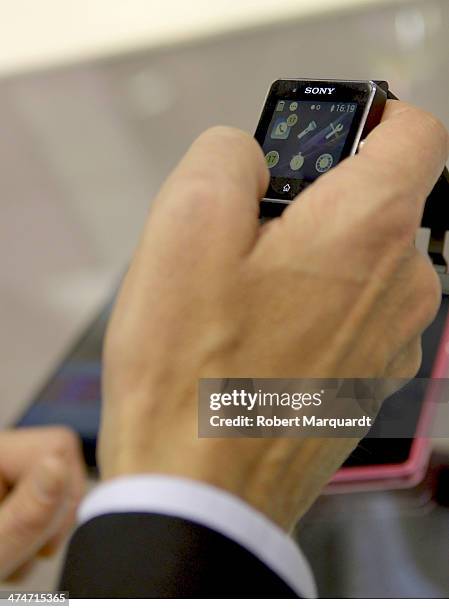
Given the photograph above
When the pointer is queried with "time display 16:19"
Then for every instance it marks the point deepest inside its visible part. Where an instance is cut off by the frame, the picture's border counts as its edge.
(344, 108)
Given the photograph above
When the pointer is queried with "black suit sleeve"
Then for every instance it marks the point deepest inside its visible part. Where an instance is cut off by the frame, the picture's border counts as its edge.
(150, 555)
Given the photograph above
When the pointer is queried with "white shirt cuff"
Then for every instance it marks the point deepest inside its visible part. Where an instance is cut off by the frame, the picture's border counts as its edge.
(209, 506)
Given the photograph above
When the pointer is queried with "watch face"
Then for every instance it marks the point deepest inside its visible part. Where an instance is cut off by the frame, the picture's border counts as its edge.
(307, 128)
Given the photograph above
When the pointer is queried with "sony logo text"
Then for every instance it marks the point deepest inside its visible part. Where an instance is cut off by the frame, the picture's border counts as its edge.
(319, 90)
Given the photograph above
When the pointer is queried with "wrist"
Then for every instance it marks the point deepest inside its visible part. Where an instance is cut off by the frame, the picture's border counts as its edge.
(280, 481)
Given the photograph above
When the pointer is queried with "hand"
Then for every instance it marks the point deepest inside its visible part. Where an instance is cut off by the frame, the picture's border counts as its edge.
(41, 483)
(333, 288)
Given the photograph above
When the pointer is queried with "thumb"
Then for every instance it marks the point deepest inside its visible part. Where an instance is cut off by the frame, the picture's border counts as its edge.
(32, 512)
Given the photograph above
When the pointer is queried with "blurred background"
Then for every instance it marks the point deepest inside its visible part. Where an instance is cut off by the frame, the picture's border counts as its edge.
(98, 101)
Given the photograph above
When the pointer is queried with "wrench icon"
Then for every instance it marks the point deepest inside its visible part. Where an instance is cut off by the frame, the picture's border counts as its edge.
(335, 129)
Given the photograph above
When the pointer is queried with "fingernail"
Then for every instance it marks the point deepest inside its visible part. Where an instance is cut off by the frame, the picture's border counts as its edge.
(50, 478)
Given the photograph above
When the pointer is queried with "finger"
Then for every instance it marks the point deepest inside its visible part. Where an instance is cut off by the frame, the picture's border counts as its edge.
(409, 144)
(71, 504)
(32, 513)
(21, 448)
(54, 543)
(395, 171)
(212, 197)
(75, 494)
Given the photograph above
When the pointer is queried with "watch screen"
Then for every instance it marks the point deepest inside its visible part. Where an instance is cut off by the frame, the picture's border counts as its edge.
(305, 139)
(308, 126)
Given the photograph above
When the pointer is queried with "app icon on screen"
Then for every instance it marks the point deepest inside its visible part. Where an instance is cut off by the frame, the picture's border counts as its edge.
(297, 162)
(272, 158)
(324, 162)
(310, 128)
(280, 130)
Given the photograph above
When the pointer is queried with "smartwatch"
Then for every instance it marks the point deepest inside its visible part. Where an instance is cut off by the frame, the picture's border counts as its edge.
(308, 126)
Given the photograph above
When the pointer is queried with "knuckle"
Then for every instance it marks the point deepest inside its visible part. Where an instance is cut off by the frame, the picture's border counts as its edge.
(241, 141)
(63, 440)
(430, 125)
(435, 128)
(200, 196)
(199, 189)
(221, 132)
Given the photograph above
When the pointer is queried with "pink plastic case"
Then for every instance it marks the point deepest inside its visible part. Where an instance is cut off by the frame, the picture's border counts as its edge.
(410, 472)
